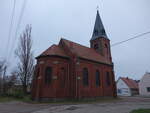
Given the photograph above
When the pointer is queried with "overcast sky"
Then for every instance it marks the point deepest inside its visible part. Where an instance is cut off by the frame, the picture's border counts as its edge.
(74, 20)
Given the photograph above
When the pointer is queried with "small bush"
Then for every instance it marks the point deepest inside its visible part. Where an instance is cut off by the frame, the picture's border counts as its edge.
(141, 111)
(18, 94)
(14, 94)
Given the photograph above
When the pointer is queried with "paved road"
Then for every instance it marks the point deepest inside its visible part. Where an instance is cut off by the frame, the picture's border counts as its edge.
(20, 107)
(122, 106)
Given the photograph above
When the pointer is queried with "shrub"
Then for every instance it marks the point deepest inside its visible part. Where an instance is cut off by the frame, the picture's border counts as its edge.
(141, 111)
(15, 94)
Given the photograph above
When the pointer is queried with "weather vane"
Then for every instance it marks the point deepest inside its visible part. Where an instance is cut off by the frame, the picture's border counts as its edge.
(97, 7)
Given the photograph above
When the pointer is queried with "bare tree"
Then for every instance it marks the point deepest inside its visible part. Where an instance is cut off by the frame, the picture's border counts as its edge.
(26, 60)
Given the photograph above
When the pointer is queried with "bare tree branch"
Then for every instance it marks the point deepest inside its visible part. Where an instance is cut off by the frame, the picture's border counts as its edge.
(26, 60)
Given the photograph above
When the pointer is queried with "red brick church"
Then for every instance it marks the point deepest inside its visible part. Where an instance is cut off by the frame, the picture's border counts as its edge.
(71, 70)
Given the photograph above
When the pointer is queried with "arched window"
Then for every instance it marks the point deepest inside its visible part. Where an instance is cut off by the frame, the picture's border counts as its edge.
(48, 75)
(106, 45)
(95, 46)
(107, 50)
(85, 77)
(97, 77)
(108, 78)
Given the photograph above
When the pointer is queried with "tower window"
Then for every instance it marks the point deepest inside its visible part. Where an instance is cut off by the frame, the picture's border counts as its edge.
(107, 50)
(95, 46)
(85, 77)
(97, 77)
(48, 75)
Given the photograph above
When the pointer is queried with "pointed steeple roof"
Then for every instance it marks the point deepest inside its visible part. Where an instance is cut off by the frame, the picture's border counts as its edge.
(99, 30)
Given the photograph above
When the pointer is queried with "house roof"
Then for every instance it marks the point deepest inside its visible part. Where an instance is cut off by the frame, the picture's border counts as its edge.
(130, 83)
(54, 50)
(85, 52)
(99, 30)
(78, 50)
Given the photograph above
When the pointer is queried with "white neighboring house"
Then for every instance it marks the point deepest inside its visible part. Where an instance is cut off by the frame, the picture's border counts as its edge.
(144, 85)
(126, 87)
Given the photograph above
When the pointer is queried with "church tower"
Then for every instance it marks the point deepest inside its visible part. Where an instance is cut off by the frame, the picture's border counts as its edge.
(99, 40)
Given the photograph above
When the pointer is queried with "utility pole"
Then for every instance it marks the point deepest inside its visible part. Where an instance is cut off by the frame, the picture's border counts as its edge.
(3, 79)
(0, 83)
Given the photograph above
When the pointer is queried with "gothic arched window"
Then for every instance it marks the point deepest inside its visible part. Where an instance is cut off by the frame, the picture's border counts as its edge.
(85, 77)
(107, 50)
(95, 46)
(48, 75)
(97, 77)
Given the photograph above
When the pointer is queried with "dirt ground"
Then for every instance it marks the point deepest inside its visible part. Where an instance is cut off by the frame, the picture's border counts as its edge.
(125, 105)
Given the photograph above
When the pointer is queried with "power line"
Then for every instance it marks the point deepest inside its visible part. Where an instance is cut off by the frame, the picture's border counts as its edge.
(138, 36)
(10, 27)
(18, 25)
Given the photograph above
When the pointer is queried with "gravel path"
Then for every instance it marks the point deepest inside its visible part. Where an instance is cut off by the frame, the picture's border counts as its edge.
(122, 106)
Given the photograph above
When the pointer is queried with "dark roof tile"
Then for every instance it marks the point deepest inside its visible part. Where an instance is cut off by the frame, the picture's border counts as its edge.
(85, 52)
(54, 50)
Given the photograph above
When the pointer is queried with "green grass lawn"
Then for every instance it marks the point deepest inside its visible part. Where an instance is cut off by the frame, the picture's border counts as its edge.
(141, 111)
(5, 99)
(8, 99)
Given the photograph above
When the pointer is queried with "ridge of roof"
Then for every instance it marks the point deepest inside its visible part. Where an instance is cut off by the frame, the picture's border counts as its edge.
(79, 50)
(53, 50)
(85, 52)
(76, 43)
(130, 82)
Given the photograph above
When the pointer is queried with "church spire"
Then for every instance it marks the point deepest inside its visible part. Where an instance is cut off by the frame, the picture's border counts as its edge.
(99, 30)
